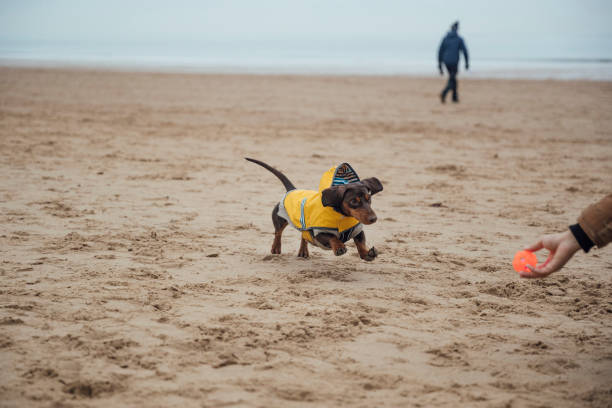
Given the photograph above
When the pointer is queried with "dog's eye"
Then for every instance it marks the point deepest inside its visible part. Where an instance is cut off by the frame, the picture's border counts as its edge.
(354, 202)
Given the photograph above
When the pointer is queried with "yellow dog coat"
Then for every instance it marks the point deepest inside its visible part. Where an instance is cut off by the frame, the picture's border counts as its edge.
(304, 210)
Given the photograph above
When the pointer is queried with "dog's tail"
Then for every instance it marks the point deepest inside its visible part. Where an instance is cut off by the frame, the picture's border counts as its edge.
(288, 184)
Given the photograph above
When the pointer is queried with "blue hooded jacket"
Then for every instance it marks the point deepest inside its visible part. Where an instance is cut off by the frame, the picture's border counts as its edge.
(449, 50)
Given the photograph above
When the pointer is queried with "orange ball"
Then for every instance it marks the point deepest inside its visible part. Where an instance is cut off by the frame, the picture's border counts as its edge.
(522, 259)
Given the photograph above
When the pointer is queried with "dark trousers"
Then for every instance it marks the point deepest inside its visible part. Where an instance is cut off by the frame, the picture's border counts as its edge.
(452, 81)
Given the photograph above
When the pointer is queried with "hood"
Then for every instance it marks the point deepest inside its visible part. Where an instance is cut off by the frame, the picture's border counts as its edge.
(337, 175)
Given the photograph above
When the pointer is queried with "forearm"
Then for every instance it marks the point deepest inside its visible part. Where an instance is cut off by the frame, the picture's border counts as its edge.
(581, 237)
(440, 53)
(596, 221)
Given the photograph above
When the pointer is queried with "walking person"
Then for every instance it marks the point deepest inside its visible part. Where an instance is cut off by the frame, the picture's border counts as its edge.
(451, 46)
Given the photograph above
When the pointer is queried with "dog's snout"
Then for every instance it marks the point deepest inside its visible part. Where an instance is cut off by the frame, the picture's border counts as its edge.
(372, 219)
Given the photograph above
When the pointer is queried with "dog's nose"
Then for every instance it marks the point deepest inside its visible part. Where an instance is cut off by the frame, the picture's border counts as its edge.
(372, 219)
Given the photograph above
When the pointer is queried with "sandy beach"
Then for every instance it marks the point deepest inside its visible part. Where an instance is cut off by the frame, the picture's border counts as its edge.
(135, 265)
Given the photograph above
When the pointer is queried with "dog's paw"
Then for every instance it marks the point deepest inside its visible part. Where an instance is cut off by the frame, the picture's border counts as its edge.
(340, 251)
(372, 254)
(303, 254)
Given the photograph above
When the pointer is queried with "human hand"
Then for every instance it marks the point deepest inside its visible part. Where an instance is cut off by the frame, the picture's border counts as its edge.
(562, 247)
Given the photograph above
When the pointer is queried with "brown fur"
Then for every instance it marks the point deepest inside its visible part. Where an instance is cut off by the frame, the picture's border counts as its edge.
(303, 251)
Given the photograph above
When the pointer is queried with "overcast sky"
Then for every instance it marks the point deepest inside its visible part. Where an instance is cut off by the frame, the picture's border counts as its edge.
(517, 28)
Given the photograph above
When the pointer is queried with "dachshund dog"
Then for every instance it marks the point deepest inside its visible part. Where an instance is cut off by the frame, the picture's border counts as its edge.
(329, 217)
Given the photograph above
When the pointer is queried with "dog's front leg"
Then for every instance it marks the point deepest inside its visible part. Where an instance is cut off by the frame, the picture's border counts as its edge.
(364, 253)
(333, 242)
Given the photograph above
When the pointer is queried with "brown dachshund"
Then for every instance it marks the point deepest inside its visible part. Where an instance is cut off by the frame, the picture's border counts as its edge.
(330, 217)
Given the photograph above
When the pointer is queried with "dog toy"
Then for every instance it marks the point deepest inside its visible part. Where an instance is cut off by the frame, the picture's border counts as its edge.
(522, 259)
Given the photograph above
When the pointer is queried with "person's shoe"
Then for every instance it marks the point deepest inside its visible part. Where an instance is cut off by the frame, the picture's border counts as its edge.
(455, 100)
(442, 98)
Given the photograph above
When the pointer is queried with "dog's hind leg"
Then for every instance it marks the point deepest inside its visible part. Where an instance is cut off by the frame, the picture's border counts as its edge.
(303, 252)
(279, 225)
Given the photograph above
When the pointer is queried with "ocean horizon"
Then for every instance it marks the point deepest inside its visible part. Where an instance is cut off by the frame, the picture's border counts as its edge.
(312, 59)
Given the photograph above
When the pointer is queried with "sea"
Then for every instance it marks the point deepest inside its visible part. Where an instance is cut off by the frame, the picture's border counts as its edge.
(315, 59)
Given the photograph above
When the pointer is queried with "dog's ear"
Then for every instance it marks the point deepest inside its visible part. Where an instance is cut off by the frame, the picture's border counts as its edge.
(373, 184)
(332, 197)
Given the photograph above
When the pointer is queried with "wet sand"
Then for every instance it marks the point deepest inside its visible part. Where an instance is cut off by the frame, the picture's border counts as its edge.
(134, 242)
